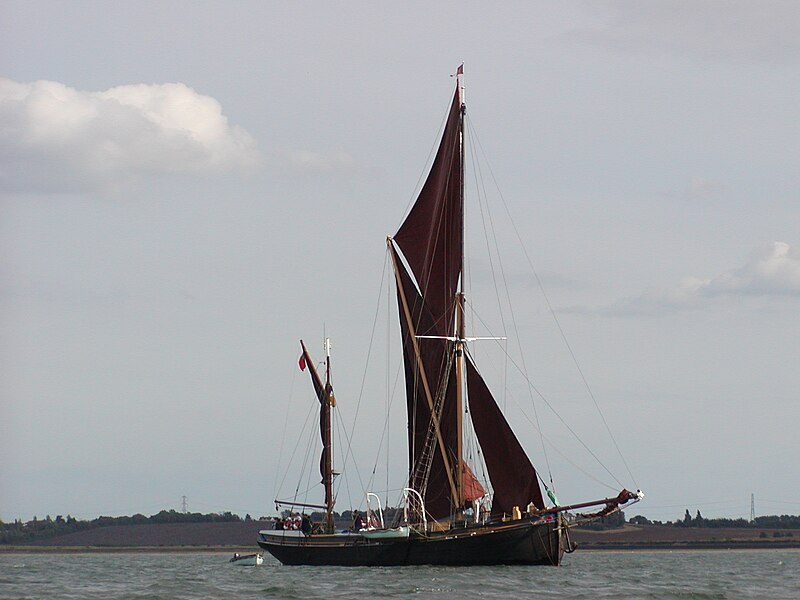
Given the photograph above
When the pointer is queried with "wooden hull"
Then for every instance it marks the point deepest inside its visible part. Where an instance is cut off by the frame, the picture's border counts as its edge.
(523, 542)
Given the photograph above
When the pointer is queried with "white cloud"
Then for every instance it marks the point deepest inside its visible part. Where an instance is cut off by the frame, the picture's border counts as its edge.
(54, 137)
(772, 271)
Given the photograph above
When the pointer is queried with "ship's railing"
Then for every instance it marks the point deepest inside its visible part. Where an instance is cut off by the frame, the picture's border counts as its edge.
(371, 512)
(409, 493)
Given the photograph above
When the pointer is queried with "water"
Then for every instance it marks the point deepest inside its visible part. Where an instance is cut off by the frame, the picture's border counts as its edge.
(694, 574)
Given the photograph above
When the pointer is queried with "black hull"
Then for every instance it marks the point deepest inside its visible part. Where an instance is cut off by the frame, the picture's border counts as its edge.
(524, 542)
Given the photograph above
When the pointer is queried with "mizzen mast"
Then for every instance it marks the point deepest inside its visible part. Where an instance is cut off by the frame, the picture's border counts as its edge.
(327, 405)
(327, 401)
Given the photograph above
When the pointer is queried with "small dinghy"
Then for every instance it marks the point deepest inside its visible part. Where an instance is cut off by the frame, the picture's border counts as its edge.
(247, 560)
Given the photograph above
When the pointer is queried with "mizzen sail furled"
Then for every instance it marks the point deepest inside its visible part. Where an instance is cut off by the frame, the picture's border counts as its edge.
(325, 396)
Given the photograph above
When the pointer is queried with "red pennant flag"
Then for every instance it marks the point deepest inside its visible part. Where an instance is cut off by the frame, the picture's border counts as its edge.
(302, 362)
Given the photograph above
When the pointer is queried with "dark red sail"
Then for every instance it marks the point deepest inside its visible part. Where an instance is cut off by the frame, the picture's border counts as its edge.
(431, 237)
(430, 240)
(512, 475)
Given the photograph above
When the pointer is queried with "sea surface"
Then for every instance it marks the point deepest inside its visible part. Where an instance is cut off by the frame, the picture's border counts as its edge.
(765, 574)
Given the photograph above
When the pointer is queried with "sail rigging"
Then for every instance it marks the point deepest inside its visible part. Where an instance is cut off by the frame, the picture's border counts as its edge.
(431, 242)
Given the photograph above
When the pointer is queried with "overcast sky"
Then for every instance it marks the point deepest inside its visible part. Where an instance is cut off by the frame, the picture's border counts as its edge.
(188, 188)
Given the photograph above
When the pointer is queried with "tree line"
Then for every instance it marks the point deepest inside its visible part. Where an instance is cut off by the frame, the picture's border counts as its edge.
(763, 522)
(617, 519)
(20, 532)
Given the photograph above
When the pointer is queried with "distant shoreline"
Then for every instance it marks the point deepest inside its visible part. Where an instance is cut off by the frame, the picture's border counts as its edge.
(233, 537)
(126, 549)
(723, 546)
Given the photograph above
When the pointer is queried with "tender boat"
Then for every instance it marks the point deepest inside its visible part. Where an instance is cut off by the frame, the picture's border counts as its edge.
(247, 560)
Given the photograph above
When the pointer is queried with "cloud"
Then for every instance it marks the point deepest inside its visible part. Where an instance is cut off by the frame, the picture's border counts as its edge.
(772, 271)
(765, 31)
(54, 137)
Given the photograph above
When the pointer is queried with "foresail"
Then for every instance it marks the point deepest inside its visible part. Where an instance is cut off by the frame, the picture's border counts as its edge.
(513, 477)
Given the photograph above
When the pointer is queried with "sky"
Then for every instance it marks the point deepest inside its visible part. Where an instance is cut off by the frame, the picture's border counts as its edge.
(189, 188)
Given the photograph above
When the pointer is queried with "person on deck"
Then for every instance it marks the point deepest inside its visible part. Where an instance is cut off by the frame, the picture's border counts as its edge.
(305, 525)
(358, 521)
(372, 520)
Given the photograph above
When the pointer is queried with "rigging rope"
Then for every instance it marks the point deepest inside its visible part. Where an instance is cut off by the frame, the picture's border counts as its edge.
(560, 418)
(275, 488)
(425, 167)
(310, 449)
(553, 313)
(294, 451)
(506, 287)
(564, 456)
(349, 452)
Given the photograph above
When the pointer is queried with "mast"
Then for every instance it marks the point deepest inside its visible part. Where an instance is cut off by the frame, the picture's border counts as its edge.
(431, 317)
(328, 440)
(459, 317)
(327, 400)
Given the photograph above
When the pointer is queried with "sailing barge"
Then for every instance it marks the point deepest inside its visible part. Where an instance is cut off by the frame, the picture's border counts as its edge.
(448, 517)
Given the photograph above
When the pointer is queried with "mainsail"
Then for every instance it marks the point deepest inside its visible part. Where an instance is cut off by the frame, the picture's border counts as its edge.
(431, 237)
(430, 400)
(428, 277)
